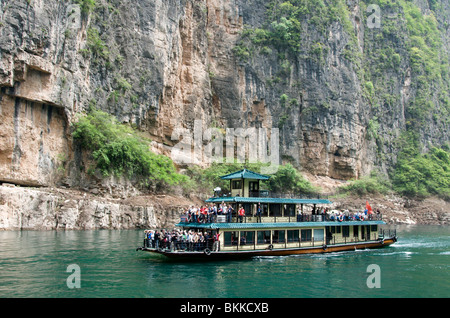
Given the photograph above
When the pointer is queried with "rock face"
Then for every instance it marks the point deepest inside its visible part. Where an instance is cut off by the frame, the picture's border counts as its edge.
(163, 65)
(51, 209)
(34, 142)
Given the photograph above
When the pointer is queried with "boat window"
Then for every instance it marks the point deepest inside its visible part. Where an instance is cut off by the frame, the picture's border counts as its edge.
(374, 228)
(248, 209)
(355, 230)
(318, 234)
(253, 186)
(335, 229)
(265, 209)
(275, 209)
(236, 184)
(292, 236)
(306, 235)
(247, 238)
(289, 210)
(365, 232)
(345, 231)
(230, 238)
(278, 236)
(263, 237)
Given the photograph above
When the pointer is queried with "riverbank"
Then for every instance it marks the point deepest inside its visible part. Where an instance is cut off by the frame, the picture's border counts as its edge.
(399, 210)
(25, 208)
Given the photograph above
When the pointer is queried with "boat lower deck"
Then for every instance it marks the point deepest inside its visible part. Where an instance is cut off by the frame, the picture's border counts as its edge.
(269, 251)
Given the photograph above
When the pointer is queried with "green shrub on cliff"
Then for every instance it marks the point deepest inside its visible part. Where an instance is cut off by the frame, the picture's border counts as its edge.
(118, 150)
(96, 45)
(285, 30)
(87, 6)
(287, 179)
(423, 174)
(373, 184)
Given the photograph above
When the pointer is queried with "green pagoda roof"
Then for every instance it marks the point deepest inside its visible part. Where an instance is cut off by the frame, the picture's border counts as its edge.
(244, 174)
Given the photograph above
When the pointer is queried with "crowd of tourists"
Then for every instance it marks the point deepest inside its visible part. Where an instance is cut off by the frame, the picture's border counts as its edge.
(339, 216)
(180, 239)
(208, 214)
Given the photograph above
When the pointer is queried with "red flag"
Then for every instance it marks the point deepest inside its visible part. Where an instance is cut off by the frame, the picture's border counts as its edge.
(368, 207)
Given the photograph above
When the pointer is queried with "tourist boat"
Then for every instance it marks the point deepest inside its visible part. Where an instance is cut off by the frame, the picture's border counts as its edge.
(285, 226)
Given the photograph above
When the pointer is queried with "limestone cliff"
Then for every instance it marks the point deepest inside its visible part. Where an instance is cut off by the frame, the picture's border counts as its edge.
(63, 209)
(341, 101)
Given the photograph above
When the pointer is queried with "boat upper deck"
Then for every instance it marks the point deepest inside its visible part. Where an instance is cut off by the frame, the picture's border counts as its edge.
(246, 205)
(272, 225)
(208, 218)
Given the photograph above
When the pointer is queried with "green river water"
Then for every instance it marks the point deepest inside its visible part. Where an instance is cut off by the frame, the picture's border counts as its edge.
(35, 264)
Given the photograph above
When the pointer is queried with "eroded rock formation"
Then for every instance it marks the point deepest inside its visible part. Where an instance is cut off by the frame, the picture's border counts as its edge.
(163, 64)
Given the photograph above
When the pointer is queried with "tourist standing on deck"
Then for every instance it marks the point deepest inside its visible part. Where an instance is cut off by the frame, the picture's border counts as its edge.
(241, 214)
(196, 241)
(156, 239)
(151, 238)
(190, 240)
(229, 213)
(215, 212)
(190, 216)
(258, 213)
(203, 214)
(193, 217)
(211, 214)
(224, 212)
(299, 215)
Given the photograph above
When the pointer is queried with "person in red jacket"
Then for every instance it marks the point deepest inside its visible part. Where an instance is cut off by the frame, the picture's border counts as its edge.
(204, 213)
(241, 213)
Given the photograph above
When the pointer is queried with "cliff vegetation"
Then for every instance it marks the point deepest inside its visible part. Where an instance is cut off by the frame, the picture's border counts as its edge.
(118, 149)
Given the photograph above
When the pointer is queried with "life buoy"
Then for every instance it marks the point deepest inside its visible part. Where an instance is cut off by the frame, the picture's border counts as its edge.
(324, 246)
(340, 218)
(270, 247)
(207, 251)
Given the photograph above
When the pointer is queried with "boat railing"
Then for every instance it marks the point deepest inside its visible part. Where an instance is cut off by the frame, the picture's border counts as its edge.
(280, 243)
(210, 244)
(182, 245)
(274, 219)
(387, 233)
